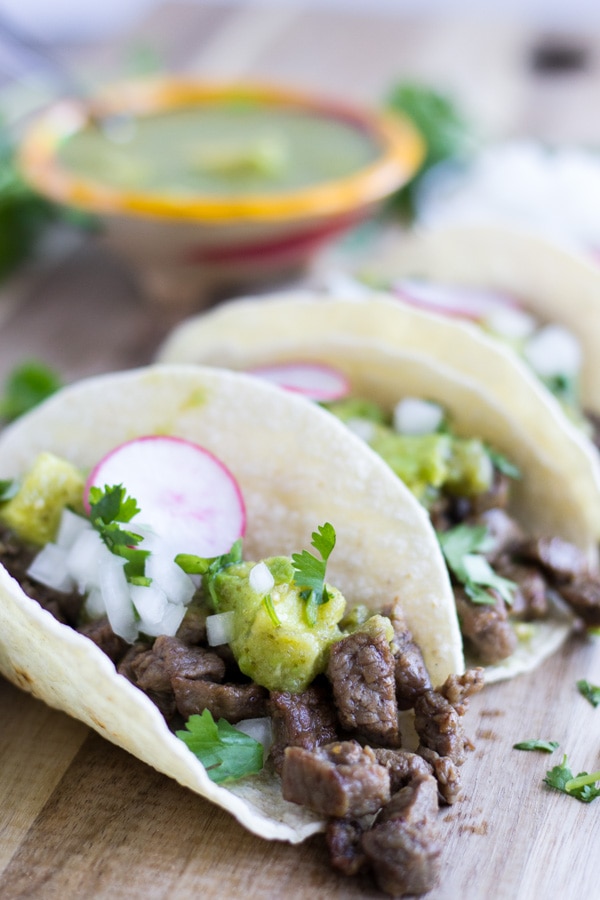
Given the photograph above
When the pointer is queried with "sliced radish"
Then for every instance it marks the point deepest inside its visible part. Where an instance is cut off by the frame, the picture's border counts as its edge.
(415, 416)
(452, 300)
(186, 495)
(316, 381)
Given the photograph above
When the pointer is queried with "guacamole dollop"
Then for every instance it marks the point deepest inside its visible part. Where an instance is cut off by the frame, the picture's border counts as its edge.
(426, 463)
(281, 652)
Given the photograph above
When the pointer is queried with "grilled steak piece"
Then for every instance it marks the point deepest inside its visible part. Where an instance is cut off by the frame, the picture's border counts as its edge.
(561, 561)
(361, 671)
(343, 838)
(402, 765)
(100, 632)
(457, 689)
(583, 596)
(304, 720)
(410, 672)
(446, 773)
(530, 600)
(164, 699)
(403, 847)
(170, 658)
(233, 702)
(193, 625)
(339, 779)
(485, 627)
(439, 727)
(502, 532)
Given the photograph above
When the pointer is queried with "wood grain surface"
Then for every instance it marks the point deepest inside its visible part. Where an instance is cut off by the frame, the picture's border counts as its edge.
(80, 818)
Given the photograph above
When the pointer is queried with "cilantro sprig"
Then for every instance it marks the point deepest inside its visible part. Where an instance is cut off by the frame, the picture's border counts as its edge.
(8, 488)
(591, 692)
(310, 572)
(583, 787)
(226, 753)
(25, 387)
(463, 547)
(110, 507)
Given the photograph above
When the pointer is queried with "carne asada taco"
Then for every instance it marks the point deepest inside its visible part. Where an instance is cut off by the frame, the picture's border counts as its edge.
(540, 299)
(510, 484)
(109, 480)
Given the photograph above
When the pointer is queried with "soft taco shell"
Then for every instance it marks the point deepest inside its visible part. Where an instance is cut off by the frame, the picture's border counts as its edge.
(555, 283)
(297, 468)
(388, 350)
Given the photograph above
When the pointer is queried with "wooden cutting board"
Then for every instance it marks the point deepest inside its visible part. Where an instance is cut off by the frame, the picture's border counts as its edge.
(80, 818)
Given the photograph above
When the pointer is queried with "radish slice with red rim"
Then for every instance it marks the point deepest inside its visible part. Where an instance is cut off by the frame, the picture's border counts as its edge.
(452, 300)
(187, 496)
(316, 381)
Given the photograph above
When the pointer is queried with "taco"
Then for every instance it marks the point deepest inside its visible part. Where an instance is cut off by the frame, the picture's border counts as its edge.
(484, 413)
(541, 299)
(97, 483)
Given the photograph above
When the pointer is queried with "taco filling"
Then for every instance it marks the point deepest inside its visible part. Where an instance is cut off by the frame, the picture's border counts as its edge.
(504, 580)
(255, 665)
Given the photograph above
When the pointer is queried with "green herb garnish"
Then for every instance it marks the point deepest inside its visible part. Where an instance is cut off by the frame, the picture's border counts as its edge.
(109, 508)
(462, 547)
(503, 463)
(26, 386)
(546, 746)
(583, 787)
(226, 753)
(591, 692)
(209, 567)
(9, 487)
(310, 571)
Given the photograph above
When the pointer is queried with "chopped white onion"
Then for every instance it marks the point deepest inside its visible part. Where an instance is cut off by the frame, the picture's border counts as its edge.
(94, 604)
(415, 416)
(219, 628)
(157, 615)
(552, 351)
(362, 428)
(514, 324)
(164, 572)
(115, 593)
(260, 578)
(71, 526)
(49, 568)
(83, 559)
(259, 729)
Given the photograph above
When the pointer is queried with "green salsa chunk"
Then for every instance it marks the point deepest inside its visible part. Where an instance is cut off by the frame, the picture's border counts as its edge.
(281, 657)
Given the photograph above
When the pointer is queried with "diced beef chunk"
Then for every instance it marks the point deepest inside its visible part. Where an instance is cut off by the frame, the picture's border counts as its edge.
(170, 658)
(530, 600)
(402, 765)
(345, 848)
(458, 689)
(485, 627)
(361, 671)
(446, 772)
(562, 561)
(339, 779)
(100, 632)
(306, 720)
(403, 847)
(410, 672)
(192, 629)
(233, 702)
(163, 698)
(502, 532)
(495, 498)
(583, 596)
(439, 727)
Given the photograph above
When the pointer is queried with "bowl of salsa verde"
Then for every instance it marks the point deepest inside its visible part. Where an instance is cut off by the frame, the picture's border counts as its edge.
(195, 181)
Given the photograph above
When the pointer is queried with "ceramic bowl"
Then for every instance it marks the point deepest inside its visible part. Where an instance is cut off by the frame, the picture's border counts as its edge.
(180, 242)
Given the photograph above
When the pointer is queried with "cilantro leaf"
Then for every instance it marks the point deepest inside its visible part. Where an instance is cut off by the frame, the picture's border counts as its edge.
(462, 547)
(26, 386)
(226, 753)
(583, 787)
(503, 463)
(546, 746)
(310, 571)
(109, 507)
(591, 692)
(8, 488)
